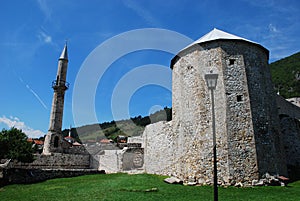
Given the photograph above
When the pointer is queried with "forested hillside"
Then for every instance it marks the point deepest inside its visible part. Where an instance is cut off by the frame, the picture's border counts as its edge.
(286, 76)
(129, 127)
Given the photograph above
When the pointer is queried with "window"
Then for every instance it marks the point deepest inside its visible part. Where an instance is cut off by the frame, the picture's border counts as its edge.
(239, 98)
(56, 139)
(231, 62)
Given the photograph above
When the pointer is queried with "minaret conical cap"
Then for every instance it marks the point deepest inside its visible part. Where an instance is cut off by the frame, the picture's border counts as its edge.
(64, 53)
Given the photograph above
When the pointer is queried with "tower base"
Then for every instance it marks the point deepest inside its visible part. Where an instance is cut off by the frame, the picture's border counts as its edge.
(53, 143)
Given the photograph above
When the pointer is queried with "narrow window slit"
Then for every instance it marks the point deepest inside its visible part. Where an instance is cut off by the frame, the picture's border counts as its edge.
(239, 98)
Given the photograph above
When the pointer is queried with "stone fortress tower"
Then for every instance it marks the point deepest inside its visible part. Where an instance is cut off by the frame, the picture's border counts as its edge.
(54, 138)
(247, 125)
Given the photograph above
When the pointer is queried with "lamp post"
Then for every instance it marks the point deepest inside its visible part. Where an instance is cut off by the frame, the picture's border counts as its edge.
(211, 81)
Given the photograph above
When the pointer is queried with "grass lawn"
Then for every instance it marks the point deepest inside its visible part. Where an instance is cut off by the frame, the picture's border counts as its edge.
(138, 187)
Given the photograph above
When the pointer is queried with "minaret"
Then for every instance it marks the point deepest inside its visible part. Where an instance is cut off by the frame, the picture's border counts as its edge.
(54, 138)
(70, 132)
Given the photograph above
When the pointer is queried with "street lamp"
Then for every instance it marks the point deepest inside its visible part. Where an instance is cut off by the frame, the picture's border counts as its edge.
(211, 81)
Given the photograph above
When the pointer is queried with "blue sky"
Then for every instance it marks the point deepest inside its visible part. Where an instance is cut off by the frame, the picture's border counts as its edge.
(33, 33)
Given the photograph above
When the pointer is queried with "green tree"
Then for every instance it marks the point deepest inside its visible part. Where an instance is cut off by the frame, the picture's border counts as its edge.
(14, 145)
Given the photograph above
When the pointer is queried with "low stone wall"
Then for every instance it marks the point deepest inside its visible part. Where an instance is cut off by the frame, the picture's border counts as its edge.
(290, 129)
(110, 161)
(129, 159)
(25, 176)
(133, 159)
(135, 139)
(159, 149)
(287, 108)
(55, 161)
(78, 150)
(295, 101)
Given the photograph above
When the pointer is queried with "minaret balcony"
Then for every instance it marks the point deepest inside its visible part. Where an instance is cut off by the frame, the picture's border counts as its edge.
(60, 84)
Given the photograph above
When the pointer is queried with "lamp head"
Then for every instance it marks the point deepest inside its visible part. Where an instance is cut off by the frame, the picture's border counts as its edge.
(211, 80)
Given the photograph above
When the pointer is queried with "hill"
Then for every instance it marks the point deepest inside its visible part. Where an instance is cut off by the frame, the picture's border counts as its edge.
(286, 76)
(131, 127)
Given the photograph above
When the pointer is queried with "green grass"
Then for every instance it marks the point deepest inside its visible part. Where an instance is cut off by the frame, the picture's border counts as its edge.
(144, 187)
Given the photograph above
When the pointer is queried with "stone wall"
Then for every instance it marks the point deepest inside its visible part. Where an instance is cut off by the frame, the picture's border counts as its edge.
(56, 161)
(110, 161)
(294, 101)
(45, 167)
(290, 128)
(252, 118)
(129, 159)
(192, 114)
(291, 131)
(287, 108)
(133, 159)
(135, 139)
(78, 150)
(242, 161)
(159, 148)
(25, 176)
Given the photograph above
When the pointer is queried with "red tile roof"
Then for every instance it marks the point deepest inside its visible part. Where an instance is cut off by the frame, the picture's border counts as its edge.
(38, 142)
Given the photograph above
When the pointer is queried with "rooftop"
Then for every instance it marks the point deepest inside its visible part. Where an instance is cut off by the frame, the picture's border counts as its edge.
(217, 34)
(214, 35)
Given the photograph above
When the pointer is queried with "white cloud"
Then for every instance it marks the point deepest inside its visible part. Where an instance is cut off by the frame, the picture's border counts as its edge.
(33, 93)
(45, 8)
(273, 28)
(276, 38)
(37, 97)
(45, 37)
(261, 3)
(17, 123)
(142, 12)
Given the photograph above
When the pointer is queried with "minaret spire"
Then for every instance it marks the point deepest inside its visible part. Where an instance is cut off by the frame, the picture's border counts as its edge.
(54, 136)
(70, 131)
(64, 53)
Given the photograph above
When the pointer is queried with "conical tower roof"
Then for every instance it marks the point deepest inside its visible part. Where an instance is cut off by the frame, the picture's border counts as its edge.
(64, 53)
(217, 34)
(214, 35)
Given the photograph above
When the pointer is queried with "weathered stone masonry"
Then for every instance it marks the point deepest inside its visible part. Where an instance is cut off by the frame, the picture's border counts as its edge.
(290, 128)
(54, 140)
(248, 135)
